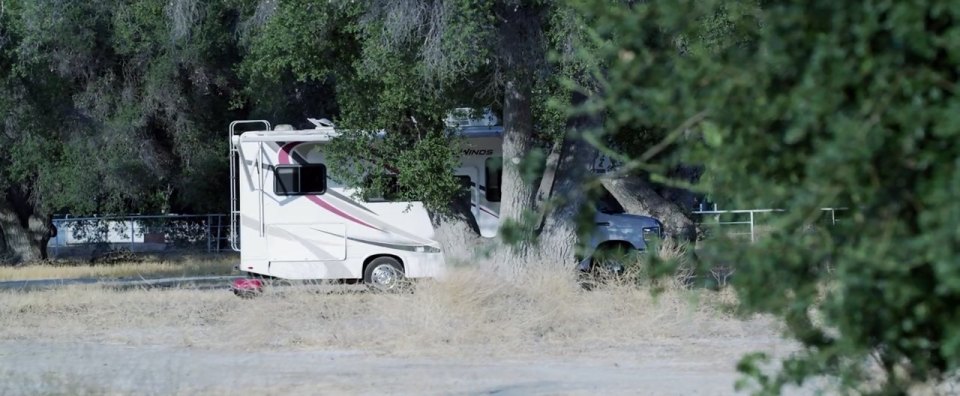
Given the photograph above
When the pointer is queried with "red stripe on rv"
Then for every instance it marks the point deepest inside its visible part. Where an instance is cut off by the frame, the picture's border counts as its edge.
(283, 158)
(326, 205)
(488, 211)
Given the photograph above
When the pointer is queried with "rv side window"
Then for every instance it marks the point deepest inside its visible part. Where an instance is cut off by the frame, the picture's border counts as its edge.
(300, 180)
(494, 170)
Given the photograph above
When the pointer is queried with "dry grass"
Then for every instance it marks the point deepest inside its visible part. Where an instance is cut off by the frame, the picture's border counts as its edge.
(470, 313)
(147, 269)
(469, 309)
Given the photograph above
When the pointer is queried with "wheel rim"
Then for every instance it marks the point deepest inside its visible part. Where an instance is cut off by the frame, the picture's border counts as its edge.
(610, 265)
(386, 276)
(610, 262)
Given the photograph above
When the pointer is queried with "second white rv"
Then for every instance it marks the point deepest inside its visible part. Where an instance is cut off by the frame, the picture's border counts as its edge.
(617, 235)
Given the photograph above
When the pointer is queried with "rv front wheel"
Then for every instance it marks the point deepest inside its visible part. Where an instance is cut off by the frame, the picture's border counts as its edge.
(384, 273)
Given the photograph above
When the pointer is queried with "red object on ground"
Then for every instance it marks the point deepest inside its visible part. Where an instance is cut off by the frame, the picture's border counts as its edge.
(247, 285)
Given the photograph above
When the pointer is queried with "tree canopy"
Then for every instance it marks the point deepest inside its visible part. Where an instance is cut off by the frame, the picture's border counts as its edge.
(805, 105)
(115, 106)
(403, 67)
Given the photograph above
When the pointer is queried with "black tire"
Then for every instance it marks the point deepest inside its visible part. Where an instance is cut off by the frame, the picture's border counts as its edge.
(612, 260)
(381, 268)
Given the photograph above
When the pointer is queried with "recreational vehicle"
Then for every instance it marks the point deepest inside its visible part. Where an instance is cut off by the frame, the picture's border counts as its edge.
(290, 220)
(617, 234)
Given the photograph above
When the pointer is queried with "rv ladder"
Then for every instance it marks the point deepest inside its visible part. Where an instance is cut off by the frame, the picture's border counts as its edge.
(234, 184)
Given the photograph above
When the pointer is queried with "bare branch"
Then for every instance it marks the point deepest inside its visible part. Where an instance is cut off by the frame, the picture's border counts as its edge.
(264, 12)
(183, 16)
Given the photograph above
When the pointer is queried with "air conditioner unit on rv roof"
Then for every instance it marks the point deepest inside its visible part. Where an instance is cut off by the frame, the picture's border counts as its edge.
(466, 117)
(320, 123)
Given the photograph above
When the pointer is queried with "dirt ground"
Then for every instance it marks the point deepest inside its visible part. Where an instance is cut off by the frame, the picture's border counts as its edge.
(693, 367)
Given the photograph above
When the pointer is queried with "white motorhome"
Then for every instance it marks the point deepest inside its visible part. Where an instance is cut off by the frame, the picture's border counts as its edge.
(294, 222)
(481, 168)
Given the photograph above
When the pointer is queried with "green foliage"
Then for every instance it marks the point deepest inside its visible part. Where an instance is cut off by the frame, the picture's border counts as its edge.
(434, 155)
(118, 102)
(398, 68)
(814, 104)
(313, 40)
(401, 67)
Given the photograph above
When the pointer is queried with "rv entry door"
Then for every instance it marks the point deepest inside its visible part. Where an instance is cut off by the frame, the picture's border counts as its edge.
(469, 194)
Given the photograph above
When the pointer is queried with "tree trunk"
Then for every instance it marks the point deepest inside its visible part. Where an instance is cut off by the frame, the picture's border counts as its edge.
(4, 252)
(517, 194)
(520, 54)
(458, 233)
(25, 234)
(558, 239)
(637, 196)
(570, 193)
(548, 179)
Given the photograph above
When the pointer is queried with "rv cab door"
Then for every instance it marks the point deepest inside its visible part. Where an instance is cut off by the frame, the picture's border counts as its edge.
(307, 242)
(299, 229)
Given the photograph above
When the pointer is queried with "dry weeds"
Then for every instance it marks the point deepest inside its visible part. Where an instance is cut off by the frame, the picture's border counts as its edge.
(469, 309)
(145, 269)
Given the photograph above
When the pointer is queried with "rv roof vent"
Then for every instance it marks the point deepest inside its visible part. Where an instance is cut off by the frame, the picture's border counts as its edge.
(283, 127)
(321, 123)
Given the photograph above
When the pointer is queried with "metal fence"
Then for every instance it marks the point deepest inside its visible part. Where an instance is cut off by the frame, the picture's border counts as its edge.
(211, 232)
(137, 233)
(745, 222)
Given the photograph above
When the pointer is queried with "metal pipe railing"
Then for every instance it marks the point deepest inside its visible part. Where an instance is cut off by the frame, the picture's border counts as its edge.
(751, 213)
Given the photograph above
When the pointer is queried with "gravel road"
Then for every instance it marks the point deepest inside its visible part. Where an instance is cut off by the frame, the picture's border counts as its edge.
(703, 367)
